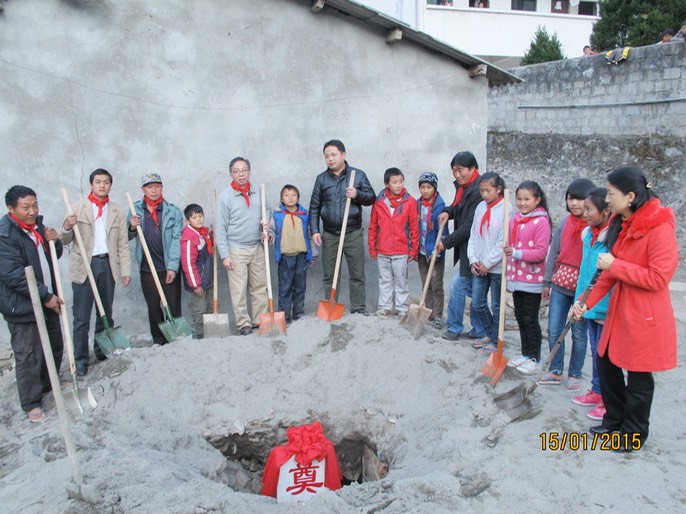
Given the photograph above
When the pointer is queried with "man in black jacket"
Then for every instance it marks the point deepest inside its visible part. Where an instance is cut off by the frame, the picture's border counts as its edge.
(24, 242)
(466, 172)
(328, 204)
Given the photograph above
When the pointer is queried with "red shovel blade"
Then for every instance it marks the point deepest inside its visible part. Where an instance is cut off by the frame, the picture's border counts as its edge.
(495, 365)
(329, 310)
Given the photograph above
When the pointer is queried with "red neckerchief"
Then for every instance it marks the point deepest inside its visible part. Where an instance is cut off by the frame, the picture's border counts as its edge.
(100, 203)
(245, 191)
(293, 214)
(30, 228)
(395, 200)
(571, 245)
(595, 232)
(486, 220)
(460, 190)
(205, 233)
(154, 205)
(626, 226)
(429, 204)
(517, 226)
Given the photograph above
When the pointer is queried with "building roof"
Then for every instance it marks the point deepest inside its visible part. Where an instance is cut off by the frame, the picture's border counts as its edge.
(496, 76)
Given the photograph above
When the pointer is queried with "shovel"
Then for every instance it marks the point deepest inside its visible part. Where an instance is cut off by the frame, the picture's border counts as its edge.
(77, 490)
(417, 315)
(79, 398)
(496, 363)
(112, 341)
(330, 310)
(215, 324)
(173, 328)
(274, 323)
(516, 401)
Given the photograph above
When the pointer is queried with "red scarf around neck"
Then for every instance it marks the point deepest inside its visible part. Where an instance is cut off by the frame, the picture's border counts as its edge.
(626, 226)
(595, 231)
(205, 233)
(395, 200)
(486, 219)
(100, 203)
(519, 221)
(153, 204)
(571, 245)
(429, 206)
(245, 191)
(30, 228)
(460, 190)
(293, 214)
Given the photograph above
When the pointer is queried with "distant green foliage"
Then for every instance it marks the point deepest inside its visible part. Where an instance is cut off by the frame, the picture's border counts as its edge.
(544, 48)
(635, 22)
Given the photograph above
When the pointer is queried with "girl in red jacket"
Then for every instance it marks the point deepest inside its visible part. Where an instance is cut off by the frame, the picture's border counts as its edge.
(393, 241)
(640, 330)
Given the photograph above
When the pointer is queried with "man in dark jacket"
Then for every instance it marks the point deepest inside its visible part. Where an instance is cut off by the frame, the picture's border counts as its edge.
(328, 204)
(24, 242)
(466, 172)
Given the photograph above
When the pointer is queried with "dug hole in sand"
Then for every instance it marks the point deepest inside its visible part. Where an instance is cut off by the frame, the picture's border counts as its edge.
(422, 408)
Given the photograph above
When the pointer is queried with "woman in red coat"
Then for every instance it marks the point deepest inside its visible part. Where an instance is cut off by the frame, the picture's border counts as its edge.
(640, 330)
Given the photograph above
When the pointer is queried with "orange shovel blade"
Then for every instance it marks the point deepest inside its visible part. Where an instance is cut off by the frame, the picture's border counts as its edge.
(272, 324)
(495, 365)
(330, 310)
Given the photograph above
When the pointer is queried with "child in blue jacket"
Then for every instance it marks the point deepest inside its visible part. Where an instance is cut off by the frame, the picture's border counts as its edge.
(429, 206)
(293, 252)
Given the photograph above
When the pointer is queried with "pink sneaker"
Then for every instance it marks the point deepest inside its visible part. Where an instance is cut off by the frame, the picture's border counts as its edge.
(589, 399)
(598, 413)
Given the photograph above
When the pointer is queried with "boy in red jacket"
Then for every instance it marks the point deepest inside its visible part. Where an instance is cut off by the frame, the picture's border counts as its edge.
(196, 262)
(393, 241)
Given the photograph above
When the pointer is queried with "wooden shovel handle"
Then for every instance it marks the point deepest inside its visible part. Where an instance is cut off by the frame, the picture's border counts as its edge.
(84, 255)
(66, 331)
(503, 276)
(148, 257)
(431, 266)
(215, 293)
(341, 240)
(263, 197)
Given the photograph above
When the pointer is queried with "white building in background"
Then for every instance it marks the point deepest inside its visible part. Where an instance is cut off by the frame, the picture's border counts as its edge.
(501, 32)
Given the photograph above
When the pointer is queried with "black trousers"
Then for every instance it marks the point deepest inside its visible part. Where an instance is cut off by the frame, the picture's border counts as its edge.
(32, 375)
(628, 403)
(83, 306)
(526, 307)
(172, 292)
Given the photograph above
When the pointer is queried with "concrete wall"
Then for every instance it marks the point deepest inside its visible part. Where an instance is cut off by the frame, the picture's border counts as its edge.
(181, 87)
(583, 117)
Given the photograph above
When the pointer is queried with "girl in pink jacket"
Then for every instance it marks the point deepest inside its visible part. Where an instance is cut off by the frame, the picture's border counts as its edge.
(527, 250)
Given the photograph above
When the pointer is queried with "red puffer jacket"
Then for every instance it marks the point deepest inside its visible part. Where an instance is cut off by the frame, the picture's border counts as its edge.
(396, 234)
(640, 329)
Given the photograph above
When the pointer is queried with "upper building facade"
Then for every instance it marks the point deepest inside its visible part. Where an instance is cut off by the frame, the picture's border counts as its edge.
(498, 31)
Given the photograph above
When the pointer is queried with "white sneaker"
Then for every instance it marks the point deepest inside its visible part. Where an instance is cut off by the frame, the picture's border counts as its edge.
(529, 367)
(516, 361)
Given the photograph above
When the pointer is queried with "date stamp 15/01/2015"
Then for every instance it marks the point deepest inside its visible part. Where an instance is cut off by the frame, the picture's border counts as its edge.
(581, 441)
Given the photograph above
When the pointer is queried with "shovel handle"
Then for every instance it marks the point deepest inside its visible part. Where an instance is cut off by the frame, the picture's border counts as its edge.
(148, 257)
(86, 258)
(63, 312)
(341, 239)
(215, 293)
(503, 275)
(265, 243)
(434, 254)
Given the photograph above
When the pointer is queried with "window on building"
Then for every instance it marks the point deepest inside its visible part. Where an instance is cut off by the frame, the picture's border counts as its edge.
(559, 6)
(588, 8)
(524, 5)
(439, 2)
(481, 4)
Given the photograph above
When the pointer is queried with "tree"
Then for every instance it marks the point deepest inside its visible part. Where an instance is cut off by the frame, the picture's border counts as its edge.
(544, 48)
(635, 22)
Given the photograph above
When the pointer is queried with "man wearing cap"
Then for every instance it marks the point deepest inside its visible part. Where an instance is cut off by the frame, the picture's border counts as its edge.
(162, 224)
(102, 225)
(24, 242)
(239, 233)
(327, 204)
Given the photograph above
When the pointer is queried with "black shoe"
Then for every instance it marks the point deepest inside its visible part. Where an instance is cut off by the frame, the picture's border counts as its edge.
(361, 311)
(81, 369)
(600, 430)
(245, 331)
(451, 336)
(472, 335)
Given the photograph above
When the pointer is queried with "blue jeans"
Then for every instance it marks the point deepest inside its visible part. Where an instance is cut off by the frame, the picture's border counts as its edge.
(292, 285)
(558, 312)
(460, 289)
(594, 331)
(489, 319)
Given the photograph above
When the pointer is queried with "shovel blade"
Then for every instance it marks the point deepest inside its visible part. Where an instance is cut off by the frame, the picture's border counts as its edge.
(415, 319)
(515, 397)
(175, 328)
(106, 344)
(216, 325)
(329, 310)
(81, 400)
(272, 324)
